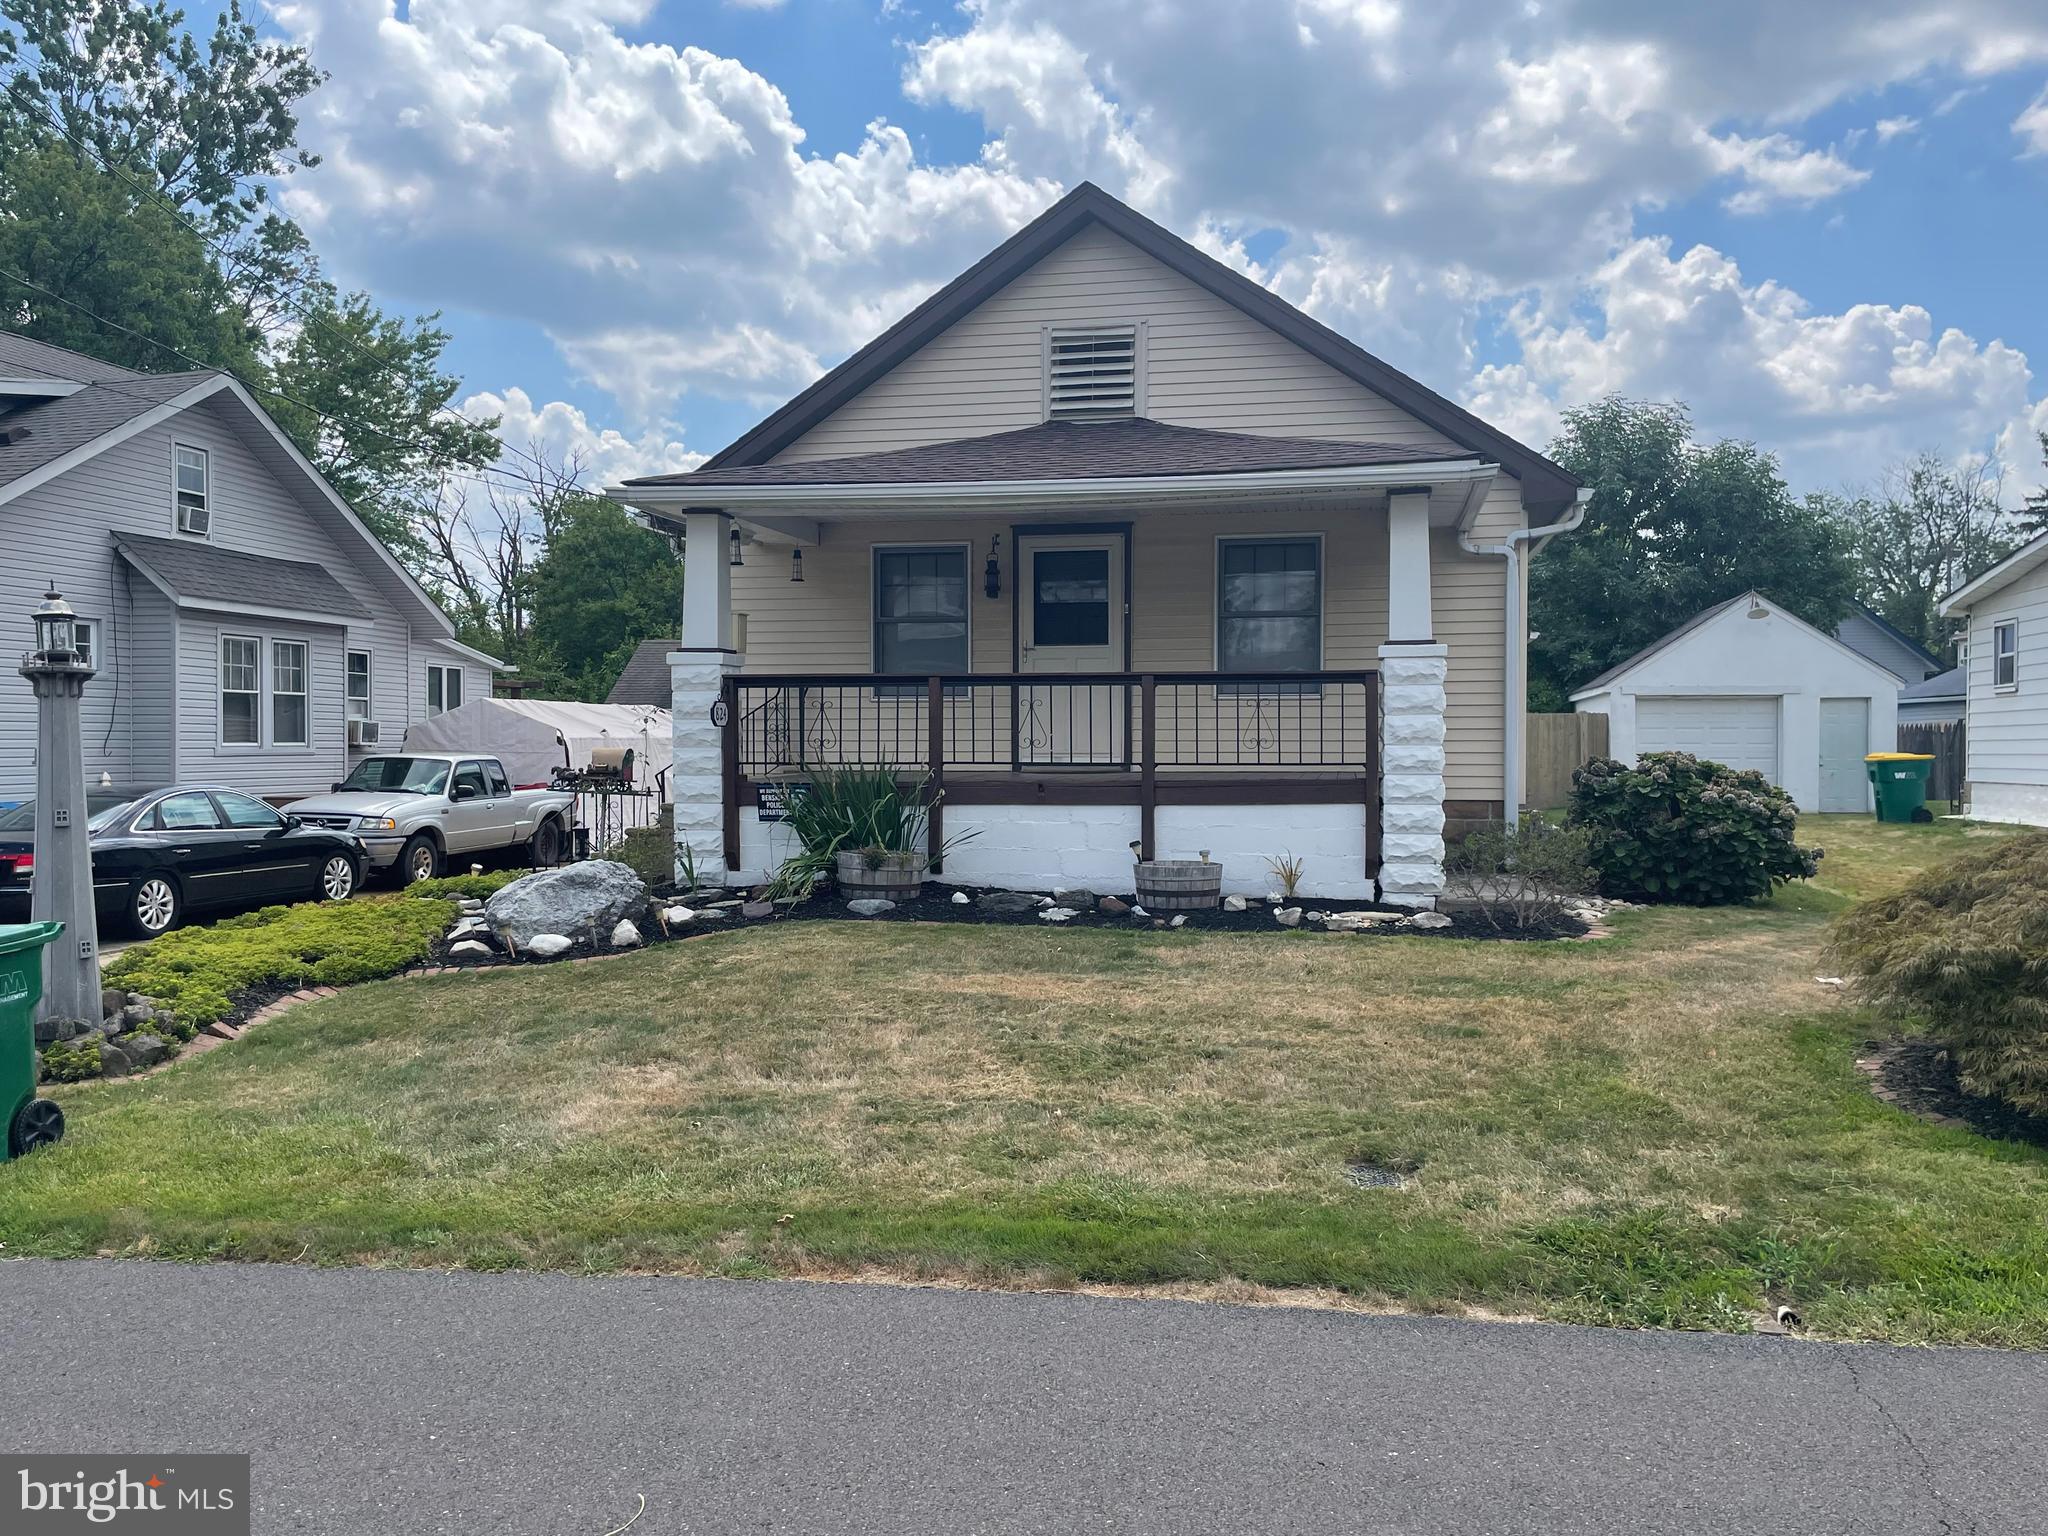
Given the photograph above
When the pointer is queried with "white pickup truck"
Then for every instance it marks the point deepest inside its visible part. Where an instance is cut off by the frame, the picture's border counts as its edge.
(414, 811)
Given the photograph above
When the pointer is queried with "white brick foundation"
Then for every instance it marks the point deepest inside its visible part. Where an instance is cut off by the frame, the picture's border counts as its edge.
(696, 773)
(1412, 765)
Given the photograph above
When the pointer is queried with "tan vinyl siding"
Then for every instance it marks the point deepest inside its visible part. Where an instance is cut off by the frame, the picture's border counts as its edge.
(1206, 364)
(825, 623)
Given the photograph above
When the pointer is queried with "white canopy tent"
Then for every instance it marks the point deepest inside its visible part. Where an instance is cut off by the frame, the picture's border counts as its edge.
(521, 733)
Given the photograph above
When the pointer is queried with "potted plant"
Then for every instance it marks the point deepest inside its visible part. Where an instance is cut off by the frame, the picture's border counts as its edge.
(1179, 885)
(863, 828)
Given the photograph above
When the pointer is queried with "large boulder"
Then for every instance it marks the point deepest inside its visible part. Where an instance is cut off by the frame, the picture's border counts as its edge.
(580, 901)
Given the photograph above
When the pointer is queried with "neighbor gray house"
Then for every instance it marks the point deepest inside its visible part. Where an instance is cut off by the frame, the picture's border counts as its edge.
(247, 627)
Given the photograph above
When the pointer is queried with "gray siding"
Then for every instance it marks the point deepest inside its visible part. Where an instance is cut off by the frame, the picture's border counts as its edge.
(61, 531)
(2008, 740)
(1867, 638)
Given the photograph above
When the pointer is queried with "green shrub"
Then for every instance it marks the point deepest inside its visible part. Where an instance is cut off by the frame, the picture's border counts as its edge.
(843, 810)
(1678, 829)
(1522, 878)
(650, 852)
(197, 972)
(1965, 945)
(72, 1061)
(449, 887)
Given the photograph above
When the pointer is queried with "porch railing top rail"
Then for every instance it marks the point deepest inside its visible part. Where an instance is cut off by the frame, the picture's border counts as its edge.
(752, 680)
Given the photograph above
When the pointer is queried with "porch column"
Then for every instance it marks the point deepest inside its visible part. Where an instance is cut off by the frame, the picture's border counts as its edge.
(697, 671)
(1412, 670)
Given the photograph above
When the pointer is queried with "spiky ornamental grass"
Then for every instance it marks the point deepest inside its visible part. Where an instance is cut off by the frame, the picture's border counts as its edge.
(1965, 946)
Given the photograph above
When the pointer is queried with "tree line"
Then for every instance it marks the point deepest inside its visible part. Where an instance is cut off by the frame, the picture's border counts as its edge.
(138, 225)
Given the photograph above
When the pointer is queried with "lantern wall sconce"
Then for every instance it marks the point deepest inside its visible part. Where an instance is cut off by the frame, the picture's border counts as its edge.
(796, 565)
(992, 573)
(733, 537)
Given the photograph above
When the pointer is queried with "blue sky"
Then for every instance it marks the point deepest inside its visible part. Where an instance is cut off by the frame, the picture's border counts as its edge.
(649, 223)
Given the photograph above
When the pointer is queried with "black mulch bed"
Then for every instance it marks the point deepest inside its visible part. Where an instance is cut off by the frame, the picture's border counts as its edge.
(1919, 1076)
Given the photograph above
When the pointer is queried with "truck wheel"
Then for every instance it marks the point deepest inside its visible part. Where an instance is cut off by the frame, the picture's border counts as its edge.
(38, 1123)
(421, 859)
(544, 851)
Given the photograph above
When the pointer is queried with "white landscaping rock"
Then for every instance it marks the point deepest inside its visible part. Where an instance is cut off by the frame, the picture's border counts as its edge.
(1288, 917)
(1056, 914)
(1179, 920)
(469, 949)
(675, 917)
(625, 935)
(1139, 912)
(1234, 903)
(961, 899)
(549, 945)
(1357, 922)
(1426, 920)
(870, 906)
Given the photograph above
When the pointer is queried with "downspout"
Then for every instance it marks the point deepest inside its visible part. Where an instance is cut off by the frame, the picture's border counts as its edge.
(1512, 722)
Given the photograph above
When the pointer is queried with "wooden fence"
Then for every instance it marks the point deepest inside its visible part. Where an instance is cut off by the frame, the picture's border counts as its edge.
(1944, 743)
(1556, 745)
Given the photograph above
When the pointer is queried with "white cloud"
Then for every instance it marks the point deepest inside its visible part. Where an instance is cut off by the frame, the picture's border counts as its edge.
(2032, 126)
(1836, 394)
(560, 434)
(1889, 128)
(1778, 170)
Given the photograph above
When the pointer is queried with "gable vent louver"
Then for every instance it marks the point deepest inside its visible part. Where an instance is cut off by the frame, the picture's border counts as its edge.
(1092, 375)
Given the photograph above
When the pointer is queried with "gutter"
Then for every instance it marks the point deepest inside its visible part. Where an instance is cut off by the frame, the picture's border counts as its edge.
(1512, 722)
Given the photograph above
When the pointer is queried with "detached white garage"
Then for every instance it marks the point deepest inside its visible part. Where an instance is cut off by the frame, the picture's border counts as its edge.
(1748, 684)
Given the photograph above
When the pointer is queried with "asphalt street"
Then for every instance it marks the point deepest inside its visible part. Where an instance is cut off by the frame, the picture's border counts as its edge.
(388, 1403)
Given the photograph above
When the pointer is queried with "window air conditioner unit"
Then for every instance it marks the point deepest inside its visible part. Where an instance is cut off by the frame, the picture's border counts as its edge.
(362, 733)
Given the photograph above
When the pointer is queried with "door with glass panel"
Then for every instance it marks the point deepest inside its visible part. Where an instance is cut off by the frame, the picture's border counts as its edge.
(1070, 618)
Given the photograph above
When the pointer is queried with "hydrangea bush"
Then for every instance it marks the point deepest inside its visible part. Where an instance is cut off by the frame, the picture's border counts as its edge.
(1678, 829)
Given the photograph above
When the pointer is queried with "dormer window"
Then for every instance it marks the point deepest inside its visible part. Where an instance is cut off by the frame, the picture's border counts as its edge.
(192, 490)
(1093, 373)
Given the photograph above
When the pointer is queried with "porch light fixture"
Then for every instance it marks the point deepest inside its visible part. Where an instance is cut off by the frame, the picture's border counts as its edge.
(56, 628)
(796, 565)
(992, 573)
(733, 538)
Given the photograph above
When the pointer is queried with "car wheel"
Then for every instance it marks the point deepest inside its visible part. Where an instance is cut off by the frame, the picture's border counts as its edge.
(154, 906)
(545, 851)
(338, 878)
(421, 860)
(38, 1123)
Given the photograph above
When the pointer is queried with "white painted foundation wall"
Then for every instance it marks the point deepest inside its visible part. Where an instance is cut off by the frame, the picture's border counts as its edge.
(1039, 847)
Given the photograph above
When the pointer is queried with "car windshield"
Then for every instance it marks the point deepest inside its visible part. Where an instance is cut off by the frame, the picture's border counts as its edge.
(102, 808)
(409, 775)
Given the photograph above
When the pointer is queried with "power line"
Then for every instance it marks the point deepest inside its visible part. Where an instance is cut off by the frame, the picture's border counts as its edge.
(20, 77)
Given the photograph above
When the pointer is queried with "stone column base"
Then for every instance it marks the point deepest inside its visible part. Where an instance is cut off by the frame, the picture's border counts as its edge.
(1412, 774)
(696, 772)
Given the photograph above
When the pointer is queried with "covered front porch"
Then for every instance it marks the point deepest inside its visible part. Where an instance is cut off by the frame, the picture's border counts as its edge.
(1240, 661)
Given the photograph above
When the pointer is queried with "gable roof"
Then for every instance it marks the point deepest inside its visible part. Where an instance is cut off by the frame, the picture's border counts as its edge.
(1952, 684)
(195, 574)
(645, 679)
(1707, 616)
(1065, 450)
(41, 431)
(2022, 560)
(1886, 627)
(1545, 486)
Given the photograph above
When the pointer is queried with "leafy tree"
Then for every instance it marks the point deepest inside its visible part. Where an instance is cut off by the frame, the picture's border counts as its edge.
(1672, 528)
(1927, 528)
(604, 585)
(2034, 519)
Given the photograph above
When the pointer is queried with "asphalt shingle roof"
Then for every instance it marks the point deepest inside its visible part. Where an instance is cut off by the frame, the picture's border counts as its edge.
(645, 679)
(200, 574)
(1061, 450)
(1952, 684)
(112, 396)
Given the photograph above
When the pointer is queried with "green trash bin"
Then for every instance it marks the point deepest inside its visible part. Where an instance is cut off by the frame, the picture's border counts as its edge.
(1900, 779)
(31, 1122)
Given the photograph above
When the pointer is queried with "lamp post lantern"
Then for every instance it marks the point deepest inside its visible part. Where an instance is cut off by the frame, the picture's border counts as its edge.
(58, 670)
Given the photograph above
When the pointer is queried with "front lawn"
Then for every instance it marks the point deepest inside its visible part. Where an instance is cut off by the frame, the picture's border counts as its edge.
(1665, 1128)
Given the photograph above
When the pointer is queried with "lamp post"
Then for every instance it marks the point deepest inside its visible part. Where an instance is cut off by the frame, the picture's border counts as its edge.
(57, 670)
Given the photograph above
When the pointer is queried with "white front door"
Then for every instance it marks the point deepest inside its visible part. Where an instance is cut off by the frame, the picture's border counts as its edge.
(1070, 618)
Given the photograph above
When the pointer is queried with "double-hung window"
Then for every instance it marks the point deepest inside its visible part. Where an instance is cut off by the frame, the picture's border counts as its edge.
(444, 689)
(1269, 605)
(241, 691)
(921, 611)
(359, 685)
(2005, 654)
(192, 490)
(288, 693)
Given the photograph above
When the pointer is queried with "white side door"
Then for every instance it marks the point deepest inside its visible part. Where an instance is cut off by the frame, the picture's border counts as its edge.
(1070, 618)
(1844, 739)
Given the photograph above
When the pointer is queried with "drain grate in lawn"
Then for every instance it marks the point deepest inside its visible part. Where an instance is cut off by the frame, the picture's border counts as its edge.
(1377, 1176)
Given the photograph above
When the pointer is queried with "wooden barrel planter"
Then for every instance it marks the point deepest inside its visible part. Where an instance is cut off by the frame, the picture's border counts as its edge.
(881, 877)
(1179, 885)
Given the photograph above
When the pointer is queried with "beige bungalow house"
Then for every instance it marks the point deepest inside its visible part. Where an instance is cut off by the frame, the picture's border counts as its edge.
(1120, 552)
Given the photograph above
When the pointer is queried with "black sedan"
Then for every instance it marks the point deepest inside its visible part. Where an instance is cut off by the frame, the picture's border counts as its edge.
(160, 853)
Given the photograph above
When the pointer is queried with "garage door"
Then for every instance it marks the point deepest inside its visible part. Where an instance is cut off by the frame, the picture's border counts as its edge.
(1741, 732)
